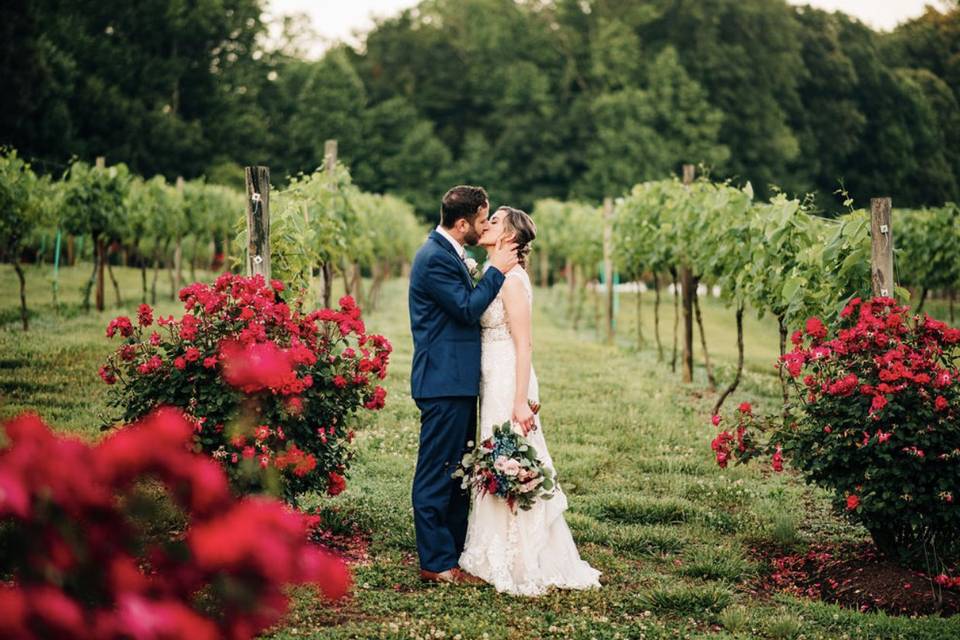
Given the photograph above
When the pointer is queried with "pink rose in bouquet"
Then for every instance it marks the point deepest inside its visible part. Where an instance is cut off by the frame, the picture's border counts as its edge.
(506, 465)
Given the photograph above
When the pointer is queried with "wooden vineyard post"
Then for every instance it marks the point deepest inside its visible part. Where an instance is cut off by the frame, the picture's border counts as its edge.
(99, 251)
(56, 272)
(102, 249)
(688, 290)
(881, 255)
(178, 248)
(608, 264)
(176, 275)
(330, 156)
(330, 164)
(258, 221)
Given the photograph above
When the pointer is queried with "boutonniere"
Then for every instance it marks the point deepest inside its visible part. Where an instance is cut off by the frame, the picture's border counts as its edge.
(473, 269)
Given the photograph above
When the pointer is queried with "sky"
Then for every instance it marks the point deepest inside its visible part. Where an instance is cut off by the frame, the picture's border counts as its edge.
(336, 20)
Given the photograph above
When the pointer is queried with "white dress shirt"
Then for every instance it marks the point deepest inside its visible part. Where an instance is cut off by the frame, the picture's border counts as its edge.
(452, 240)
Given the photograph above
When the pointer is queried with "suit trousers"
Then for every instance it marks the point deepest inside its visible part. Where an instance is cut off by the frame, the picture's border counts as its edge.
(440, 506)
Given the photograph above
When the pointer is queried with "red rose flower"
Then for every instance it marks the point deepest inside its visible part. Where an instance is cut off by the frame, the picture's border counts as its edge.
(491, 485)
(256, 367)
(942, 380)
(189, 327)
(853, 501)
(144, 315)
(151, 365)
(722, 459)
(121, 324)
(295, 405)
(849, 309)
(107, 375)
(777, 460)
(816, 329)
(378, 400)
(878, 403)
(336, 483)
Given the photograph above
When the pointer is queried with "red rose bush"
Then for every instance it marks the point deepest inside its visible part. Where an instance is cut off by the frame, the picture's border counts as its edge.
(740, 445)
(270, 389)
(80, 559)
(875, 421)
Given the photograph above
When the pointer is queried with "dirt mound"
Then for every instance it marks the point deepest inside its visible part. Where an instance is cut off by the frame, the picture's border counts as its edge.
(856, 577)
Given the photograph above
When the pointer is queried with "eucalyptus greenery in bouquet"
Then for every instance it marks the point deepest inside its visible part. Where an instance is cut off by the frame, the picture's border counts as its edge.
(506, 465)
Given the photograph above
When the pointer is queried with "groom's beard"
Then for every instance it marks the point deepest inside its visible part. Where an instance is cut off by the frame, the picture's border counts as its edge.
(471, 238)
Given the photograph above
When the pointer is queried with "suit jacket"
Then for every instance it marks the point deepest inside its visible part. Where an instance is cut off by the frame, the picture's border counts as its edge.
(445, 310)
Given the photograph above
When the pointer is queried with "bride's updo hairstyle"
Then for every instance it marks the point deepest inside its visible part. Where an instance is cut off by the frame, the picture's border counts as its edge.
(521, 226)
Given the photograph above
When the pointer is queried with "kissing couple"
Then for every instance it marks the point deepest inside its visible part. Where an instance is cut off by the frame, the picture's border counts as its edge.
(475, 340)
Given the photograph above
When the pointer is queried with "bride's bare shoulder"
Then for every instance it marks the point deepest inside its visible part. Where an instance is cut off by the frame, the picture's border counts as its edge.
(518, 273)
(516, 288)
(517, 279)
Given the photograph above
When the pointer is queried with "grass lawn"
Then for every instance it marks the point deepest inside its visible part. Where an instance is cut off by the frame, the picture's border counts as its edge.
(648, 506)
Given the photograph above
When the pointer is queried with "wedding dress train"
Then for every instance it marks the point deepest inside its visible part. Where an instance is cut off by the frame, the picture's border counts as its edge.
(526, 552)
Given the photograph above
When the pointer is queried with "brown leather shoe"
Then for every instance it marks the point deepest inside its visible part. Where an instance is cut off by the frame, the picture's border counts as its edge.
(462, 577)
(433, 576)
(452, 576)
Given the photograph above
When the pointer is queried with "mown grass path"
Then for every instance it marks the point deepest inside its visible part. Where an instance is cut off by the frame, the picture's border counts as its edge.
(648, 506)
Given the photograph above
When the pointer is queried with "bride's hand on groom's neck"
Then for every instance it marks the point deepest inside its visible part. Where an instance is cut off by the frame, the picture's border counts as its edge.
(504, 257)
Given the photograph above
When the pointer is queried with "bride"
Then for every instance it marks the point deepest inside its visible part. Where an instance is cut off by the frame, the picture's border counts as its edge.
(526, 552)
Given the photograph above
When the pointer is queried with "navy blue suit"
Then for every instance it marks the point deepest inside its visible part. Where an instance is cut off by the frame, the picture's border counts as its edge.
(445, 310)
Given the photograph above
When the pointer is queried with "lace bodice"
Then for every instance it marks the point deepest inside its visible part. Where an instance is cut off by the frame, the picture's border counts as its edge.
(498, 361)
(494, 324)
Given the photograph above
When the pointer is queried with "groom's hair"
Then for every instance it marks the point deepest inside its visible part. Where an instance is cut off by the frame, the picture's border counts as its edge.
(462, 201)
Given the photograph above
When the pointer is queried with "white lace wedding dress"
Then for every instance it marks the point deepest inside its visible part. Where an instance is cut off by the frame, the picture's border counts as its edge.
(526, 552)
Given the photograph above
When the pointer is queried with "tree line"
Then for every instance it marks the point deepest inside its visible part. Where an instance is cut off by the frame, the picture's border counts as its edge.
(557, 98)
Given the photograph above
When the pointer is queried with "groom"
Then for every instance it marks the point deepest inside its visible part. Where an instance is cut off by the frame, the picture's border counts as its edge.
(445, 310)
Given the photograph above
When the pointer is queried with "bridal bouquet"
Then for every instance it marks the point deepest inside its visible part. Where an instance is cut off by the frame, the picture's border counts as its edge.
(506, 465)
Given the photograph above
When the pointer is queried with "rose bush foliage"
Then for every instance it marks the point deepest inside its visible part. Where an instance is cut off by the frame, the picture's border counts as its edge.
(741, 445)
(876, 420)
(270, 389)
(83, 554)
